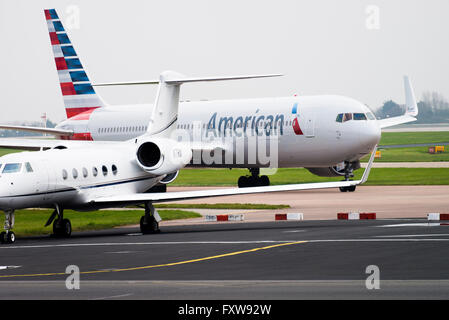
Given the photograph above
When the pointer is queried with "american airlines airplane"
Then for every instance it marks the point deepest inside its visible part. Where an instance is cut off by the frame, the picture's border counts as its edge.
(326, 134)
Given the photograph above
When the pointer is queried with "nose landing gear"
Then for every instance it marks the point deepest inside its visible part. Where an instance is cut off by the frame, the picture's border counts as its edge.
(254, 180)
(8, 236)
(349, 173)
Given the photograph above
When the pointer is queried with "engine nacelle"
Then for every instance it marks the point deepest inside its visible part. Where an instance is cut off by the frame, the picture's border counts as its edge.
(335, 171)
(169, 178)
(161, 156)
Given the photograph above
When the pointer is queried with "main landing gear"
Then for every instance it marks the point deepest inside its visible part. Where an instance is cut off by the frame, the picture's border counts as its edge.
(254, 180)
(349, 173)
(149, 223)
(8, 236)
(62, 228)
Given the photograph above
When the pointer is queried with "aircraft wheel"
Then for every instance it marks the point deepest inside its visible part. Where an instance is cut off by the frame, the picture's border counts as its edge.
(3, 237)
(352, 188)
(62, 228)
(243, 182)
(10, 237)
(343, 189)
(149, 227)
(264, 181)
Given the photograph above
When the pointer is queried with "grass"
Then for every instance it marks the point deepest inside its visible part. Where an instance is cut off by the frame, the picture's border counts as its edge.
(31, 222)
(418, 154)
(392, 138)
(378, 176)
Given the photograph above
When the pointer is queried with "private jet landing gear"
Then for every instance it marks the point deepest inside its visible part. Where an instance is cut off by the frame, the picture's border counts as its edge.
(255, 180)
(349, 173)
(149, 223)
(8, 236)
(62, 228)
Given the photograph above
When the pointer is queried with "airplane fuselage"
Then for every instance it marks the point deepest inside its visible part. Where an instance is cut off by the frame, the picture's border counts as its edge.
(307, 129)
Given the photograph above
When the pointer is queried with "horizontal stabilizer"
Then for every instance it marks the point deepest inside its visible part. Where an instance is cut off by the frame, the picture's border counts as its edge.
(186, 80)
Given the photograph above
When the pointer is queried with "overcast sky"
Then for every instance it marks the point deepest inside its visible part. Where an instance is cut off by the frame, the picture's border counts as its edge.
(355, 48)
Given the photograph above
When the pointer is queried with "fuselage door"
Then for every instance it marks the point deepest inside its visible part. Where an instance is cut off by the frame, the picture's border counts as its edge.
(309, 130)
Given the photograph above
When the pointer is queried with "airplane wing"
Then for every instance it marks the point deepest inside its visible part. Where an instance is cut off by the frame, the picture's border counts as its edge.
(411, 108)
(185, 195)
(52, 131)
(39, 144)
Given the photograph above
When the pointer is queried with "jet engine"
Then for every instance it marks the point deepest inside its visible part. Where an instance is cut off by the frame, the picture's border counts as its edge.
(335, 171)
(161, 156)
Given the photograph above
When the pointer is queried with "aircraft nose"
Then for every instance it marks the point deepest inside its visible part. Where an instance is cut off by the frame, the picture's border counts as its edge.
(370, 136)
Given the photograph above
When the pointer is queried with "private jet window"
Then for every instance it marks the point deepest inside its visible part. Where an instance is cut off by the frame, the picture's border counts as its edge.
(28, 167)
(347, 117)
(75, 173)
(12, 168)
(85, 173)
(105, 170)
(370, 116)
(359, 116)
(114, 169)
(95, 171)
(340, 117)
(65, 175)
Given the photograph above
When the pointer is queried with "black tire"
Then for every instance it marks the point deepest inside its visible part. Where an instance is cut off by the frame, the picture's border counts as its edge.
(10, 237)
(352, 188)
(3, 237)
(66, 230)
(243, 182)
(149, 227)
(264, 181)
(343, 189)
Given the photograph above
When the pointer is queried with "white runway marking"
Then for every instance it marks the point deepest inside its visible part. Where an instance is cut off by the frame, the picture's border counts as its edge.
(293, 231)
(9, 267)
(410, 225)
(415, 235)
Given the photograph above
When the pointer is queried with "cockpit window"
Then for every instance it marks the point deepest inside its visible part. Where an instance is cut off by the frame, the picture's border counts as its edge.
(371, 116)
(360, 116)
(347, 117)
(12, 168)
(340, 117)
(28, 167)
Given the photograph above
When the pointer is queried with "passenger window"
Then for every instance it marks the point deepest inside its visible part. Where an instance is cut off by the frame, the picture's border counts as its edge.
(12, 168)
(105, 170)
(75, 173)
(95, 171)
(114, 169)
(85, 173)
(347, 117)
(359, 116)
(28, 167)
(65, 175)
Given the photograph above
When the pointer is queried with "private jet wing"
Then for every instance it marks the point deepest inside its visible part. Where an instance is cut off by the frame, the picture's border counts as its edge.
(56, 132)
(411, 108)
(39, 144)
(185, 195)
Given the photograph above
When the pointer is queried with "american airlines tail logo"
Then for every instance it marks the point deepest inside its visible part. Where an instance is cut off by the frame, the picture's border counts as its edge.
(296, 126)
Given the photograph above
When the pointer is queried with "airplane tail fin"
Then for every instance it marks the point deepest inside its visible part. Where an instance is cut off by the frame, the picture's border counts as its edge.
(78, 94)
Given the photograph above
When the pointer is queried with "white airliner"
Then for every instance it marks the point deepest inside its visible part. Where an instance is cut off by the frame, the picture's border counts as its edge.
(325, 134)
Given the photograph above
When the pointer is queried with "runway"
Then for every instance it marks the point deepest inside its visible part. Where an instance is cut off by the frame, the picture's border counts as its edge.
(267, 260)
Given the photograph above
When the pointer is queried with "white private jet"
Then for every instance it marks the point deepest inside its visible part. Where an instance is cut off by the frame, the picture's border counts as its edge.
(90, 175)
(328, 134)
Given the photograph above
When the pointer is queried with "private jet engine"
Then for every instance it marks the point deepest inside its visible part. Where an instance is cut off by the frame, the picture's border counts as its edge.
(335, 171)
(162, 156)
